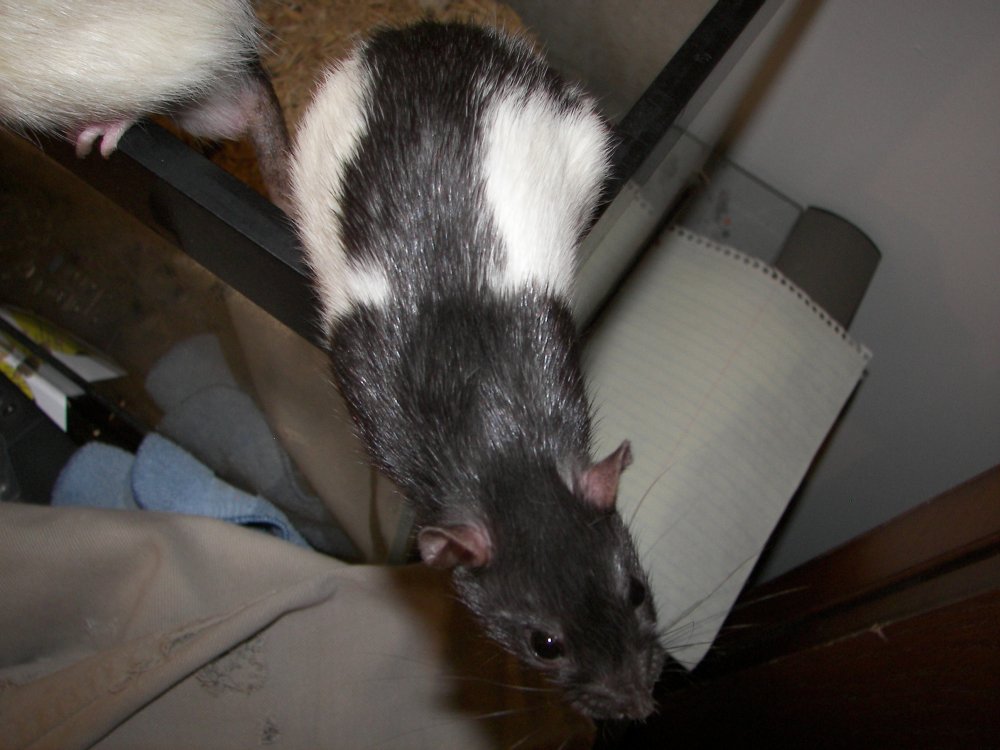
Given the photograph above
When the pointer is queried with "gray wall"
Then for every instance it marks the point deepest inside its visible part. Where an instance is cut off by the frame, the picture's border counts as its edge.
(615, 48)
(888, 113)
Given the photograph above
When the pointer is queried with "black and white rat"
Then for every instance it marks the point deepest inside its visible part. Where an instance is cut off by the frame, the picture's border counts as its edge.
(88, 69)
(441, 181)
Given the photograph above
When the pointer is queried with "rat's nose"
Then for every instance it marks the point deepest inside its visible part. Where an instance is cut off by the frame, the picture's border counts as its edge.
(618, 699)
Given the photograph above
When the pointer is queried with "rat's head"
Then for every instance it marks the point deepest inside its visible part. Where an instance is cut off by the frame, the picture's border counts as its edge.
(556, 580)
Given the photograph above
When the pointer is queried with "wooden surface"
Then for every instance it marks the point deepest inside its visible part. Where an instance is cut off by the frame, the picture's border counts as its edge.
(931, 680)
(892, 640)
(933, 545)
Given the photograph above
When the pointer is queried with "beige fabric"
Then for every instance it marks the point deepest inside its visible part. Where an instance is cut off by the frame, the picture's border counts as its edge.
(149, 630)
(307, 413)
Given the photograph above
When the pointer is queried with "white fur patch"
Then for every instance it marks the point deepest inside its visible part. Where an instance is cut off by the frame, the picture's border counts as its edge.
(368, 285)
(327, 140)
(69, 62)
(543, 171)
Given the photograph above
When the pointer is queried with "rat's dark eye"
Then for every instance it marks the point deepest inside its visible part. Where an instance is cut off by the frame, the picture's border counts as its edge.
(546, 646)
(636, 592)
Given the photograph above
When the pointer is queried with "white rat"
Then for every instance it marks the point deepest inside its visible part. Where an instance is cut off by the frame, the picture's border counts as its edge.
(88, 69)
(441, 180)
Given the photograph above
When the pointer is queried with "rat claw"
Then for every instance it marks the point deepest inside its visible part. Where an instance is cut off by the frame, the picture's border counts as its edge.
(112, 135)
(85, 140)
(109, 133)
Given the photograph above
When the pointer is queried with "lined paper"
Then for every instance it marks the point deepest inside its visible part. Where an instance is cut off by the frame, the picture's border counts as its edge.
(726, 378)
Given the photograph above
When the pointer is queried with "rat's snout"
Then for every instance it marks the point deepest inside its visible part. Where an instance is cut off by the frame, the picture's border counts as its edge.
(636, 704)
(617, 696)
(631, 703)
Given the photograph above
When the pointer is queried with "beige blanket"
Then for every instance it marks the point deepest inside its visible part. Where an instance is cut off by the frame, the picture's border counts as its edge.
(127, 629)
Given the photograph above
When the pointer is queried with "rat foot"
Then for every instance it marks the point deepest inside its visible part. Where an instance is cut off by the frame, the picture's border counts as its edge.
(109, 133)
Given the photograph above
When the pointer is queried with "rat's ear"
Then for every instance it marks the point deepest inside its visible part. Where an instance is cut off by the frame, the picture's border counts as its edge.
(598, 483)
(448, 546)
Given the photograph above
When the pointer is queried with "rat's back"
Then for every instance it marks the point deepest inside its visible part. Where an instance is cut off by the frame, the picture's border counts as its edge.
(445, 158)
(442, 178)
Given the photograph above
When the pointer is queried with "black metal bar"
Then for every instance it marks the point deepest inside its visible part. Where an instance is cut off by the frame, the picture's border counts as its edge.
(227, 227)
(648, 121)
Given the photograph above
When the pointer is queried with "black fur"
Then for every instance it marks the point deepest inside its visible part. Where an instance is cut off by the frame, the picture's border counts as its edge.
(470, 399)
(489, 384)
(447, 357)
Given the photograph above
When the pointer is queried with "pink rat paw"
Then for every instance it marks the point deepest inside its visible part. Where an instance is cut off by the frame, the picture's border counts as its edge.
(109, 133)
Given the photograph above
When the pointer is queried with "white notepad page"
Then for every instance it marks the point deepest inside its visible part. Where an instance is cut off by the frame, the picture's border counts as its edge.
(726, 378)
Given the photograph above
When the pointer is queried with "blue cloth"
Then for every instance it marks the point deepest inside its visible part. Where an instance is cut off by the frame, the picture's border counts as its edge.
(161, 476)
(207, 414)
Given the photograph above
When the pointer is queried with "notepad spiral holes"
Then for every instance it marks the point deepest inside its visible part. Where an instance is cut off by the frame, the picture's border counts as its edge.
(769, 270)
